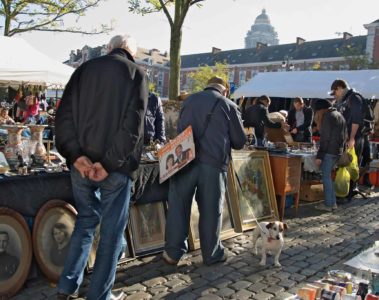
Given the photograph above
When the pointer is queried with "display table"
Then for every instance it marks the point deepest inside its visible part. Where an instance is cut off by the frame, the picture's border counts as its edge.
(286, 174)
(26, 194)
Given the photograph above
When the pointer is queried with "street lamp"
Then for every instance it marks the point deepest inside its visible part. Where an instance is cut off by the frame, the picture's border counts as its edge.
(286, 63)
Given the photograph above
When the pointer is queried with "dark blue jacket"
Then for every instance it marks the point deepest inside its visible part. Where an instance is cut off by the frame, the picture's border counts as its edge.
(224, 131)
(154, 120)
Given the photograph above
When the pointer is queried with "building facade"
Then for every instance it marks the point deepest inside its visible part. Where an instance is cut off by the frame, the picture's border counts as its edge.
(155, 63)
(330, 54)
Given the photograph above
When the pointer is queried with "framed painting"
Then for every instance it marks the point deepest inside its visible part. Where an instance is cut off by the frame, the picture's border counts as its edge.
(147, 227)
(171, 109)
(125, 256)
(15, 252)
(251, 189)
(52, 232)
(227, 225)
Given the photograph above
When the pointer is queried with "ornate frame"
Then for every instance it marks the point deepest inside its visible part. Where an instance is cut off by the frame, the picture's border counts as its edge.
(60, 212)
(14, 225)
(245, 163)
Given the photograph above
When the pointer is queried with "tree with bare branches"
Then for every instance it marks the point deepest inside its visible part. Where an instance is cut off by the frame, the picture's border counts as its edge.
(44, 15)
(176, 20)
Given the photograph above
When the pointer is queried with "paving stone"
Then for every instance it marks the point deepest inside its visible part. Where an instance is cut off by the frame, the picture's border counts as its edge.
(155, 281)
(199, 282)
(263, 296)
(221, 283)
(239, 285)
(274, 289)
(212, 275)
(287, 283)
(159, 296)
(297, 277)
(134, 288)
(225, 292)
(174, 283)
(139, 296)
(255, 278)
(187, 296)
(283, 295)
(158, 289)
(234, 276)
(205, 290)
(242, 295)
(257, 287)
(210, 297)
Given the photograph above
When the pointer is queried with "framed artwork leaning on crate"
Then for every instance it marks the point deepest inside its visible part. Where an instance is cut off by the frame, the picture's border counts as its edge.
(251, 189)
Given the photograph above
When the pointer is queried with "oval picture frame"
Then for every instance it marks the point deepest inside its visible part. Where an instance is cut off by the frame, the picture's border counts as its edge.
(16, 252)
(52, 231)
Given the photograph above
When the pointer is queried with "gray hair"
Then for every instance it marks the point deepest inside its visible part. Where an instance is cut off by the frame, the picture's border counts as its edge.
(125, 42)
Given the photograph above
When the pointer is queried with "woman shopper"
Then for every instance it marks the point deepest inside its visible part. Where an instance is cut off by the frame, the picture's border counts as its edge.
(333, 134)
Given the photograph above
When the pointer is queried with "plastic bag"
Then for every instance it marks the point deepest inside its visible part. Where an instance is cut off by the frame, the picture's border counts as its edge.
(353, 167)
(342, 182)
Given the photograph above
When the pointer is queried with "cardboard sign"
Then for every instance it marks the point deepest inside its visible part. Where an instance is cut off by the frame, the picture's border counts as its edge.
(176, 154)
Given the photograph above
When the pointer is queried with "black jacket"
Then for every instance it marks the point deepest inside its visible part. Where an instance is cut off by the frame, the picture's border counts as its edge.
(333, 133)
(224, 131)
(257, 116)
(308, 119)
(102, 113)
(351, 108)
(154, 120)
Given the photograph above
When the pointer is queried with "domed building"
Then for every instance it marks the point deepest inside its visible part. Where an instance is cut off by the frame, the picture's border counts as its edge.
(262, 31)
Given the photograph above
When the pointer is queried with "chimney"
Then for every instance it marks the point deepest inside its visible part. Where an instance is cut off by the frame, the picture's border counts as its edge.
(78, 51)
(299, 41)
(215, 50)
(347, 36)
(260, 46)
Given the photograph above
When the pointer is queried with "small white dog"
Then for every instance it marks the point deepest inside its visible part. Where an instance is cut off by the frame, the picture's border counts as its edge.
(271, 234)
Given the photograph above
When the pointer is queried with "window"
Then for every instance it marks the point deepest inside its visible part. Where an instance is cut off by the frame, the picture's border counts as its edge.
(242, 77)
(231, 76)
(160, 78)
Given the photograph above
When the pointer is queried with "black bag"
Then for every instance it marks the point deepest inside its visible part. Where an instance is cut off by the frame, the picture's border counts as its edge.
(368, 117)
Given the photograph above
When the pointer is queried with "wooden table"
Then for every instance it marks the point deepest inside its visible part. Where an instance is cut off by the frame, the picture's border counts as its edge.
(286, 173)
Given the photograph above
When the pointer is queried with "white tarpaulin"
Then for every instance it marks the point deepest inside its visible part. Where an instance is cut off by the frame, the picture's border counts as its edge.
(21, 63)
(308, 84)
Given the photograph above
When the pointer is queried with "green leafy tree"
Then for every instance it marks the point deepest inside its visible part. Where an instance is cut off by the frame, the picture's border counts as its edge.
(20, 16)
(176, 20)
(200, 78)
(354, 57)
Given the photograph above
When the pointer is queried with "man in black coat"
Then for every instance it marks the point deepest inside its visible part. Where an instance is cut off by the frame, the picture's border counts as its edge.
(257, 116)
(99, 130)
(154, 120)
(300, 120)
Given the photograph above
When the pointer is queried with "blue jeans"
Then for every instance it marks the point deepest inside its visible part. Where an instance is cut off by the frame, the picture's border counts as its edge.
(209, 184)
(112, 211)
(327, 166)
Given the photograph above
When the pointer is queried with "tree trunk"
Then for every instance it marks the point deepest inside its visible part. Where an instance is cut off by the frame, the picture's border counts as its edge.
(175, 62)
(7, 21)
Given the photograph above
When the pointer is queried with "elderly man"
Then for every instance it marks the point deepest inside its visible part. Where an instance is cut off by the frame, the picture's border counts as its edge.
(99, 129)
(217, 127)
(300, 120)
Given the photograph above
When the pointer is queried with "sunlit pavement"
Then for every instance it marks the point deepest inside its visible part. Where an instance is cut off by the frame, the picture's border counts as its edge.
(315, 242)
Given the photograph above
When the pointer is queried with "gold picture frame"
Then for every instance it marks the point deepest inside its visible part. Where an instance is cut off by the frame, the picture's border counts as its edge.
(17, 252)
(251, 189)
(147, 227)
(227, 225)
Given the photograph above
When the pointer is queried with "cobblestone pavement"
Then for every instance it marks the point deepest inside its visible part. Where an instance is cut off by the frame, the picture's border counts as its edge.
(315, 242)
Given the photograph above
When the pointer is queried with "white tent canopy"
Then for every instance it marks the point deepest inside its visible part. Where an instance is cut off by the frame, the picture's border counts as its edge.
(20, 63)
(308, 84)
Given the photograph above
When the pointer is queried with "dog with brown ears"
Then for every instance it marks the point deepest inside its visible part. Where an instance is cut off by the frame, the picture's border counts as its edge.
(271, 234)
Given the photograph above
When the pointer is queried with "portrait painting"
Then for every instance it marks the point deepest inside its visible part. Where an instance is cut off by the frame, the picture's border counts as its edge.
(52, 232)
(125, 256)
(15, 252)
(147, 227)
(171, 109)
(251, 185)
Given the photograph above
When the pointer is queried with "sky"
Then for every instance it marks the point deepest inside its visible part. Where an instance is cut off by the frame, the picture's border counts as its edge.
(219, 23)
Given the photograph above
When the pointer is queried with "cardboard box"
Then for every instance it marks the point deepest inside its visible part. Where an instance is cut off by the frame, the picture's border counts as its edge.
(311, 191)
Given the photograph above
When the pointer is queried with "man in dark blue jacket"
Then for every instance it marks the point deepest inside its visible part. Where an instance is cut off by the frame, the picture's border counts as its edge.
(154, 121)
(217, 128)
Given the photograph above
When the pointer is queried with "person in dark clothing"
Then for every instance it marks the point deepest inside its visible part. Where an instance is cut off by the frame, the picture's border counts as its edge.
(349, 104)
(257, 116)
(154, 120)
(300, 120)
(333, 134)
(99, 130)
(217, 127)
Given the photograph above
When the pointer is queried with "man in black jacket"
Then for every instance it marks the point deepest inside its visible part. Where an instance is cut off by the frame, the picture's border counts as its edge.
(300, 120)
(99, 130)
(257, 116)
(154, 120)
(217, 127)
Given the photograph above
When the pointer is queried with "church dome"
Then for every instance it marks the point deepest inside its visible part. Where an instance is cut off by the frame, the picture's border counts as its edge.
(261, 31)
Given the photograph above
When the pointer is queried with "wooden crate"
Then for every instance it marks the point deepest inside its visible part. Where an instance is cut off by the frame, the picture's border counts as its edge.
(311, 191)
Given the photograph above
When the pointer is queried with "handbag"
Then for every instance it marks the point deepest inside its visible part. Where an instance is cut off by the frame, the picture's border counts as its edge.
(345, 159)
